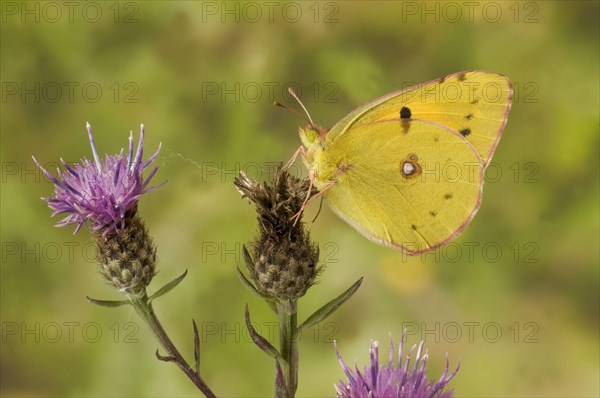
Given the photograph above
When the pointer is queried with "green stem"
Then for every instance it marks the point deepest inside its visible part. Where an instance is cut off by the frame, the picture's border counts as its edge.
(288, 325)
(144, 308)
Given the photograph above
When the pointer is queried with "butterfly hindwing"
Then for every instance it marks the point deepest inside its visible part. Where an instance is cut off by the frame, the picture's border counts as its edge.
(408, 184)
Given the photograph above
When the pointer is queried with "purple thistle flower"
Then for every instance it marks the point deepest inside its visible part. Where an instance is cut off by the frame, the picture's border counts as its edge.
(388, 381)
(102, 192)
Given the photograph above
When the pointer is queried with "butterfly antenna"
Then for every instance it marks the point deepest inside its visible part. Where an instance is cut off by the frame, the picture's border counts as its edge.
(291, 91)
(301, 116)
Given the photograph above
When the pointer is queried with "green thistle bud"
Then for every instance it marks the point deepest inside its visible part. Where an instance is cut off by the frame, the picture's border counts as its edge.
(127, 256)
(282, 261)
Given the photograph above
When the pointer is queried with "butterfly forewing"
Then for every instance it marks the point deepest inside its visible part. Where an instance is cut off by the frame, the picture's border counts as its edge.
(474, 103)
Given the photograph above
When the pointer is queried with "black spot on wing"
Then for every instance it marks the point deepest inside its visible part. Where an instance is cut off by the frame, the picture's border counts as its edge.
(465, 132)
(469, 116)
(461, 77)
(433, 213)
(448, 196)
(405, 113)
(414, 227)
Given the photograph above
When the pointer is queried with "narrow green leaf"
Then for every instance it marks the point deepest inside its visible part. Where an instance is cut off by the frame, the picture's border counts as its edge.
(261, 342)
(247, 258)
(329, 308)
(249, 284)
(108, 303)
(196, 347)
(168, 287)
(254, 291)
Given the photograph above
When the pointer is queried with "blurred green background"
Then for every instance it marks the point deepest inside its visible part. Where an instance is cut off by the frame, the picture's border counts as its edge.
(514, 298)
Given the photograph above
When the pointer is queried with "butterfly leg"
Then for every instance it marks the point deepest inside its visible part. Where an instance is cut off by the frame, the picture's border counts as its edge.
(311, 178)
(308, 198)
(299, 151)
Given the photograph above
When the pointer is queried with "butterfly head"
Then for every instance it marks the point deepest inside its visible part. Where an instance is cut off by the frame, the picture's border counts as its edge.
(312, 137)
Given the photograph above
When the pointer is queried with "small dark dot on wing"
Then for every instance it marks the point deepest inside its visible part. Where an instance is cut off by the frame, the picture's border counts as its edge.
(465, 132)
(405, 113)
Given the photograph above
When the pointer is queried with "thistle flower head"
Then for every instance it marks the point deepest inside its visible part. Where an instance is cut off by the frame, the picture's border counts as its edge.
(128, 258)
(282, 261)
(400, 381)
(102, 192)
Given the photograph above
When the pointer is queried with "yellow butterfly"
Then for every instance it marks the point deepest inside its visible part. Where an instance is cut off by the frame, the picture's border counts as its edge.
(406, 170)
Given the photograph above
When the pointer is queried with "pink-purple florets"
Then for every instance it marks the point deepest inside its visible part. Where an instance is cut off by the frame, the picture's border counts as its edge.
(389, 381)
(102, 192)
